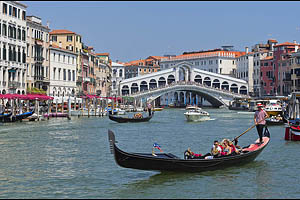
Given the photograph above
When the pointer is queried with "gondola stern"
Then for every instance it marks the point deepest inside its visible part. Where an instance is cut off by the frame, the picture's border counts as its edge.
(112, 141)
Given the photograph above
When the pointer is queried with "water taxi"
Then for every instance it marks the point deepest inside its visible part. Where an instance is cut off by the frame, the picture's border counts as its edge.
(194, 113)
(273, 108)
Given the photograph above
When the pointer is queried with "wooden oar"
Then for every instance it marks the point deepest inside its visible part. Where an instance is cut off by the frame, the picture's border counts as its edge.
(249, 129)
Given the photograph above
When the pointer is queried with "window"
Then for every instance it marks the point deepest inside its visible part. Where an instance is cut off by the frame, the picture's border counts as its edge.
(69, 75)
(58, 57)
(24, 15)
(73, 71)
(69, 38)
(64, 60)
(14, 12)
(4, 10)
(65, 75)
(54, 70)
(54, 38)
(9, 11)
(220, 61)
(23, 35)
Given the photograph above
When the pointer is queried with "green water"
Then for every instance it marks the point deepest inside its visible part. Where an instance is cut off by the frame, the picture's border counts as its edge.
(63, 158)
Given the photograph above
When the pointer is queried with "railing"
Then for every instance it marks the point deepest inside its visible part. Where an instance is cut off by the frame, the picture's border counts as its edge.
(13, 84)
(187, 83)
(38, 78)
(39, 59)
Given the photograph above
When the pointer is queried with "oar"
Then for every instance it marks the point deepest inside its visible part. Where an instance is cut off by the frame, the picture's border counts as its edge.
(249, 129)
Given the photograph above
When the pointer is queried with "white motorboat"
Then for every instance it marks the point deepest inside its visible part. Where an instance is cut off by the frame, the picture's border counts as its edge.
(120, 111)
(194, 113)
(274, 108)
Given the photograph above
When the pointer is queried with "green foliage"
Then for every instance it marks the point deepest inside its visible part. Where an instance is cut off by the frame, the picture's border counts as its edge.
(36, 91)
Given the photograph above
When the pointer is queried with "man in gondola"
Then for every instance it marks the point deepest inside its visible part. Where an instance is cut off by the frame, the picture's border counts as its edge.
(260, 122)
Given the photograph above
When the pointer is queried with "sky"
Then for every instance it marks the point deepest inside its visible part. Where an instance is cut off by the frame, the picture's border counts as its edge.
(132, 30)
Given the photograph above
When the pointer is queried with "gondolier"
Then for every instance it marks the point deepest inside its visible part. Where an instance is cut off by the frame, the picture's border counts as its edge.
(259, 119)
(149, 106)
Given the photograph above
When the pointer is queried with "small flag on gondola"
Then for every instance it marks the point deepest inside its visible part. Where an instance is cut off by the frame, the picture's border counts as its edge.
(155, 145)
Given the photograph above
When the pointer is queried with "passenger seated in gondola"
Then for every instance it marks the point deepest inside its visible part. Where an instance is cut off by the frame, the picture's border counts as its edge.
(138, 115)
(216, 150)
(227, 150)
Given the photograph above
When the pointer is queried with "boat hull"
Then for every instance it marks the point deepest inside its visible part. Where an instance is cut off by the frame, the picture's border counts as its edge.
(129, 120)
(169, 162)
(196, 118)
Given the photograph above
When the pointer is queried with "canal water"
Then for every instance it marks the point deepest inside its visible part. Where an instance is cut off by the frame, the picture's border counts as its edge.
(63, 158)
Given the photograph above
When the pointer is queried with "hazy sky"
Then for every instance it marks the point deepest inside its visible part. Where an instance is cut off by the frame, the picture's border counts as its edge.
(135, 30)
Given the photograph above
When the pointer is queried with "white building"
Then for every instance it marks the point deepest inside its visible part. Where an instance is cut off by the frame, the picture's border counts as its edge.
(62, 71)
(12, 47)
(244, 69)
(217, 61)
(118, 74)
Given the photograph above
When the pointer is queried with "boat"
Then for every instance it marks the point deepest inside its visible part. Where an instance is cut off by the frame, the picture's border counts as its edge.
(273, 108)
(275, 121)
(170, 162)
(127, 119)
(120, 111)
(195, 113)
(157, 109)
(4, 117)
(292, 130)
(238, 104)
(18, 117)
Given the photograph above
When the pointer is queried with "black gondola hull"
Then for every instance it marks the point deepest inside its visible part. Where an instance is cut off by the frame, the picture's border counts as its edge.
(169, 162)
(126, 119)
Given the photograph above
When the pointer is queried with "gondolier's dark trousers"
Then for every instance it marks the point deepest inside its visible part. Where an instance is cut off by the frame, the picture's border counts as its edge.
(149, 110)
(260, 129)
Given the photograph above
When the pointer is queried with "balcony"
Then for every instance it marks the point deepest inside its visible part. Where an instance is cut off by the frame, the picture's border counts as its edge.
(13, 84)
(86, 79)
(38, 78)
(39, 59)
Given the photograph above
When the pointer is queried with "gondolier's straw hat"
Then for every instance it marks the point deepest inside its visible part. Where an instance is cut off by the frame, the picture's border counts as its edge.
(259, 105)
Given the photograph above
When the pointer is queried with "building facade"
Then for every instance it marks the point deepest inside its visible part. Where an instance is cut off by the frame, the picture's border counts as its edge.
(295, 70)
(118, 74)
(63, 64)
(221, 61)
(267, 86)
(103, 74)
(70, 41)
(244, 69)
(13, 47)
(38, 74)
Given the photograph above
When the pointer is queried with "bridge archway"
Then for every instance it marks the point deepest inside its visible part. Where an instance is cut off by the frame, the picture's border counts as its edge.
(198, 79)
(161, 82)
(134, 88)
(234, 88)
(207, 81)
(171, 79)
(216, 83)
(225, 86)
(243, 90)
(125, 90)
(184, 71)
(152, 84)
(143, 86)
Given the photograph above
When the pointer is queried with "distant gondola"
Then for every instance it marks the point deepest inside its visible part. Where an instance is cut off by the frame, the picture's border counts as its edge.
(18, 117)
(170, 162)
(127, 119)
(4, 116)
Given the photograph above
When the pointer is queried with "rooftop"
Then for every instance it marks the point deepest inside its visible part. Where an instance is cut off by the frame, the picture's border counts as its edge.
(61, 31)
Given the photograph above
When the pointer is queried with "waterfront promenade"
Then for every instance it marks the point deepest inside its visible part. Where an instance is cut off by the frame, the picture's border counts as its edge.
(71, 159)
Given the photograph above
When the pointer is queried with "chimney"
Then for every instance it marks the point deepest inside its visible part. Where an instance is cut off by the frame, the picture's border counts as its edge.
(60, 45)
(272, 46)
(247, 50)
(51, 42)
(295, 42)
(296, 48)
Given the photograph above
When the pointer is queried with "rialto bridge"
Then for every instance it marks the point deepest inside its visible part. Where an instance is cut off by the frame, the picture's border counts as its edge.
(184, 84)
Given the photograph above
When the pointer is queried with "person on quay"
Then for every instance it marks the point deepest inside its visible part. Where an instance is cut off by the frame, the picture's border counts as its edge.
(149, 106)
(260, 122)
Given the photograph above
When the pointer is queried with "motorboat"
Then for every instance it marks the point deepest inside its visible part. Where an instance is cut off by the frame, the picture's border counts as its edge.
(275, 120)
(194, 113)
(292, 130)
(273, 108)
(120, 111)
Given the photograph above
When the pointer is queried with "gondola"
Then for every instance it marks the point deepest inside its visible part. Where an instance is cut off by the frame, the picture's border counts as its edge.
(170, 162)
(127, 119)
(4, 116)
(18, 117)
(272, 121)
